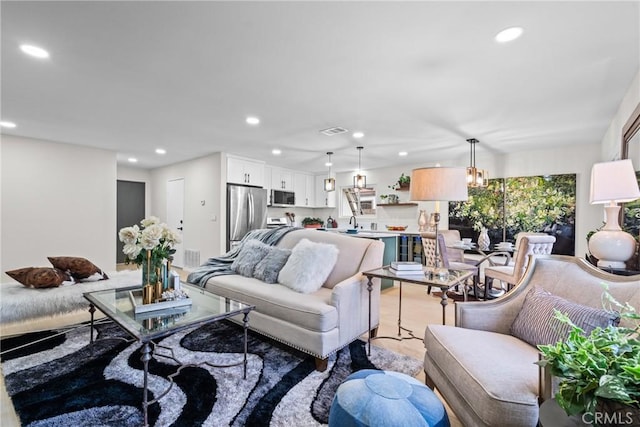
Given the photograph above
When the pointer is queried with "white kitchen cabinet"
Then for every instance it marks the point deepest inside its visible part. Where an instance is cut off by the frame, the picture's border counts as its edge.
(323, 198)
(245, 171)
(268, 171)
(303, 185)
(282, 179)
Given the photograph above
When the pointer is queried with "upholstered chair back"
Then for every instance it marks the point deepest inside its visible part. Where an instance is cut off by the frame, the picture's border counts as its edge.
(531, 244)
(429, 248)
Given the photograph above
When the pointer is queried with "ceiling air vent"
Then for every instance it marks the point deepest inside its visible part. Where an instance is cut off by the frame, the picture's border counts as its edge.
(333, 131)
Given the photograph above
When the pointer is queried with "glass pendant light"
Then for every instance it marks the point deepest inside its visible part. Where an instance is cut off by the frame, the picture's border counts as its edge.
(359, 180)
(475, 177)
(329, 182)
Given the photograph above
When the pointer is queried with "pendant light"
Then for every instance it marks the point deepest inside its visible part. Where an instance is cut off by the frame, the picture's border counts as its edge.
(329, 182)
(475, 177)
(359, 180)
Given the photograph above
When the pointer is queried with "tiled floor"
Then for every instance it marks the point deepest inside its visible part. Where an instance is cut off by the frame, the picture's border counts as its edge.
(418, 309)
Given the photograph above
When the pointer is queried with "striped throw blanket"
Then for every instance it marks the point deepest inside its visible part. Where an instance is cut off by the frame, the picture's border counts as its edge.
(218, 266)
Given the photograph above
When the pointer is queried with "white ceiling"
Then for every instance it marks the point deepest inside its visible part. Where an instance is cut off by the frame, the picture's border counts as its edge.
(416, 76)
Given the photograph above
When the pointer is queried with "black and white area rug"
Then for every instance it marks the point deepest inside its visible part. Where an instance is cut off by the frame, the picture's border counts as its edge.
(63, 380)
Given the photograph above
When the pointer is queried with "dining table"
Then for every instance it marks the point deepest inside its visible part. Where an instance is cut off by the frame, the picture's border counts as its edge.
(498, 254)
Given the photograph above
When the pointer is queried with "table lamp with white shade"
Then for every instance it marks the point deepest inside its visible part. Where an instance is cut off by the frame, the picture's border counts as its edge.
(612, 183)
(438, 184)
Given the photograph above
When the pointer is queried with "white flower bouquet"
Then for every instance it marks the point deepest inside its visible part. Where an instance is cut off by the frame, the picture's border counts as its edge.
(151, 236)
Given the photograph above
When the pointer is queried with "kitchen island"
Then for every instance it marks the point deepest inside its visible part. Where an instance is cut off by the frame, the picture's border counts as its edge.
(390, 240)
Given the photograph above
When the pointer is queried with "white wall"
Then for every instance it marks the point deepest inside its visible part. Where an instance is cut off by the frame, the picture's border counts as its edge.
(204, 202)
(57, 199)
(612, 141)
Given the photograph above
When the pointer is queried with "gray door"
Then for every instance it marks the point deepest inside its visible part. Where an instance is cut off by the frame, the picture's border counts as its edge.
(130, 209)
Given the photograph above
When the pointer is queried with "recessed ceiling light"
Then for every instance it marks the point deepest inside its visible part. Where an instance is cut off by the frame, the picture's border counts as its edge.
(132, 160)
(509, 34)
(276, 152)
(328, 164)
(402, 153)
(8, 125)
(253, 120)
(34, 51)
(358, 135)
(161, 151)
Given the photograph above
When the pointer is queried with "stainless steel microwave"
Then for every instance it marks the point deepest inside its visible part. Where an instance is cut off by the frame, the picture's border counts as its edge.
(279, 197)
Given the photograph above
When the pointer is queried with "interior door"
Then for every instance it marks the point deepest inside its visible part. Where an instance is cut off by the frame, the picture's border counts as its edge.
(129, 210)
(175, 215)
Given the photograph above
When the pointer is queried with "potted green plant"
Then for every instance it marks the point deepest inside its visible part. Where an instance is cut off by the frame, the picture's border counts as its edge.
(309, 222)
(599, 373)
(402, 183)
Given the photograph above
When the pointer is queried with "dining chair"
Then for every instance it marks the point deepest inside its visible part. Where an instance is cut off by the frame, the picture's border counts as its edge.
(531, 244)
(455, 254)
(519, 237)
(429, 248)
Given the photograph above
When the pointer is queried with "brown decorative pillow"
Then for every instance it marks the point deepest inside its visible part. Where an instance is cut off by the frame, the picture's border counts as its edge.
(40, 277)
(79, 268)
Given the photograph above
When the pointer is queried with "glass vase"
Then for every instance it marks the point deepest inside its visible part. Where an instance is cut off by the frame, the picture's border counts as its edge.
(422, 221)
(151, 276)
(484, 243)
(151, 273)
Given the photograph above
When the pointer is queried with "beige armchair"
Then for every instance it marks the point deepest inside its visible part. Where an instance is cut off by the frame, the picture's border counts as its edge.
(487, 375)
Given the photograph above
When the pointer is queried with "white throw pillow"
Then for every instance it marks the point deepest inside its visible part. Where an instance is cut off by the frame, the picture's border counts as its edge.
(308, 266)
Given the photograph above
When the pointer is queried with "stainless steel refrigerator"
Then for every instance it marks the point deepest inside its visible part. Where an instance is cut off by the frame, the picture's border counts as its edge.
(246, 211)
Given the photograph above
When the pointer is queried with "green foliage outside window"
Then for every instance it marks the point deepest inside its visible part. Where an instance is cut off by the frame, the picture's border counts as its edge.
(533, 204)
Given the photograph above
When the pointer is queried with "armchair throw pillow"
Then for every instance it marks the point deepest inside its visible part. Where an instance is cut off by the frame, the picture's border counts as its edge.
(308, 266)
(537, 325)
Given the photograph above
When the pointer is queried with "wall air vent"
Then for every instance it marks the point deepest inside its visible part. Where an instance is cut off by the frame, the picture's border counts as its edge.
(333, 131)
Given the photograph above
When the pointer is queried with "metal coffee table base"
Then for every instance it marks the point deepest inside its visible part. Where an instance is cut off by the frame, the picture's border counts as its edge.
(147, 355)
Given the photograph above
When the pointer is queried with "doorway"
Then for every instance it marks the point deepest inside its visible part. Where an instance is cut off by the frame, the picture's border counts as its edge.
(175, 215)
(130, 210)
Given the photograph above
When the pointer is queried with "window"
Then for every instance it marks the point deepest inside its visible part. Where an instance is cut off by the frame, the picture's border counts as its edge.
(360, 203)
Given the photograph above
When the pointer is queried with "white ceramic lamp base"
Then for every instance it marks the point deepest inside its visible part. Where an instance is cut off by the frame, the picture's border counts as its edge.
(612, 246)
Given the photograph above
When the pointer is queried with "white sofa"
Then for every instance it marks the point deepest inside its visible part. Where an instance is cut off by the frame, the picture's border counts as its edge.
(322, 322)
(487, 376)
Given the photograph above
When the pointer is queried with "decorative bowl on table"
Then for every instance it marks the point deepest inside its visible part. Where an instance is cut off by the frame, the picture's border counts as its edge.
(396, 227)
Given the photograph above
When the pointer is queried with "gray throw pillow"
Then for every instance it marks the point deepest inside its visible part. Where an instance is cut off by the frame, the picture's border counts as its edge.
(269, 267)
(537, 325)
(251, 253)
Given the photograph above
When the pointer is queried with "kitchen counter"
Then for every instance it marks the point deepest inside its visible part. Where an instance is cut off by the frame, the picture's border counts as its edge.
(390, 240)
(370, 233)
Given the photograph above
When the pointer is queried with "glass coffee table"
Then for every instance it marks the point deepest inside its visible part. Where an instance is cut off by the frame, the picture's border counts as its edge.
(206, 307)
(444, 282)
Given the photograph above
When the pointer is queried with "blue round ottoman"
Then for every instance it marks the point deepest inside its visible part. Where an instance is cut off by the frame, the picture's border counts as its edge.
(384, 398)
